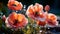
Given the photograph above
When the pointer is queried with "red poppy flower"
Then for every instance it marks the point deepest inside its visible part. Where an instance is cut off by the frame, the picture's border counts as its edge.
(15, 20)
(47, 8)
(52, 19)
(14, 5)
(34, 11)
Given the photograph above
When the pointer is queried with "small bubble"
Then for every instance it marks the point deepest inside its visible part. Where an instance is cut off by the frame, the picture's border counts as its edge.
(40, 30)
(24, 6)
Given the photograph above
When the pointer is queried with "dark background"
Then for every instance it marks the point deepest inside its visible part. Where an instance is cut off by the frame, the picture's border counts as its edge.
(52, 3)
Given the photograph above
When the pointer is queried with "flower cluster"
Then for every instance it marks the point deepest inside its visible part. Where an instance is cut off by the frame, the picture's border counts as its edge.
(35, 12)
(42, 18)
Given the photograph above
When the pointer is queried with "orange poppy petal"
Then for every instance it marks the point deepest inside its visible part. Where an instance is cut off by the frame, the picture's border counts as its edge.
(52, 17)
(30, 9)
(38, 7)
(50, 23)
(20, 17)
(41, 23)
(13, 16)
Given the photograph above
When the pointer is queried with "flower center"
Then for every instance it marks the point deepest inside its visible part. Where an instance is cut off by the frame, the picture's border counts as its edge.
(15, 22)
(13, 5)
(36, 13)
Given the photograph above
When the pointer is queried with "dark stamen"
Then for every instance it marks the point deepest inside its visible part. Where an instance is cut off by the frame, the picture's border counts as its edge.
(36, 13)
(15, 22)
(14, 5)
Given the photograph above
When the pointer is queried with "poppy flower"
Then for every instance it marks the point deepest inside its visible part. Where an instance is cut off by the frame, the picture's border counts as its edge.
(15, 20)
(52, 19)
(34, 11)
(14, 5)
(47, 8)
